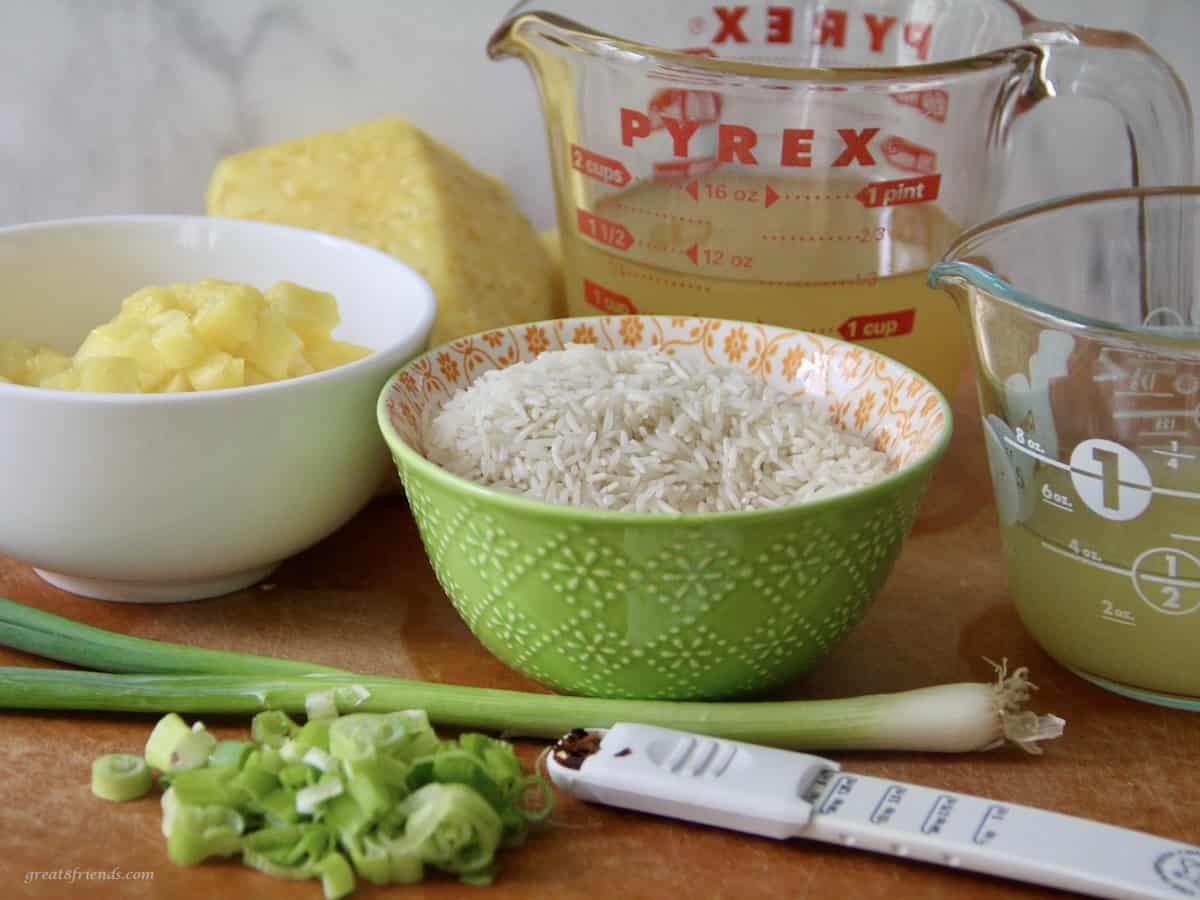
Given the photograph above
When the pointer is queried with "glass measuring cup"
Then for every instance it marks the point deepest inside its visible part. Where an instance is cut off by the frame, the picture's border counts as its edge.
(1085, 315)
(804, 163)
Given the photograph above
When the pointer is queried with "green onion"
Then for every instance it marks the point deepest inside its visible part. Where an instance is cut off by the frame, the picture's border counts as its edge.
(198, 832)
(321, 705)
(947, 718)
(206, 787)
(231, 753)
(55, 637)
(452, 828)
(120, 776)
(272, 727)
(174, 747)
(337, 878)
(318, 759)
(310, 798)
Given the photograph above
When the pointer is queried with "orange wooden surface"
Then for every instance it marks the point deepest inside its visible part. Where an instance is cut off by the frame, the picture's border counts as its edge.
(366, 599)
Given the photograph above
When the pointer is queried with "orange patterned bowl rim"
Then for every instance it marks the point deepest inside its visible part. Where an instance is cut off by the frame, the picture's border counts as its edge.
(896, 409)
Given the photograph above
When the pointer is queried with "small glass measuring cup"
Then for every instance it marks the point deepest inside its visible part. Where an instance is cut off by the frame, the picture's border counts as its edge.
(804, 163)
(1085, 315)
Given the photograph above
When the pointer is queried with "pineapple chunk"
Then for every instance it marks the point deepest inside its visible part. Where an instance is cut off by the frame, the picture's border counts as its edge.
(311, 314)
(47, 363)
(217, 371)
(66, 380)
(152, 370)
(176, 341)
(227, 314)
(109, 374)
(14, 360)
(330, 354)
(177, 384)
(147, 303)
(388, 184)
(109, 339)
(275, 346)
(254, 376)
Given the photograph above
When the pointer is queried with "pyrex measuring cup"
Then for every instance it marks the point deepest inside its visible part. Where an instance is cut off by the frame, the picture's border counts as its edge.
(1086, 321)
(804, 163)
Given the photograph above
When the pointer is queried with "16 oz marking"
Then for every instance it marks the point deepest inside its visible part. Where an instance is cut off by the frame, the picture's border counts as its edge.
(718, 191)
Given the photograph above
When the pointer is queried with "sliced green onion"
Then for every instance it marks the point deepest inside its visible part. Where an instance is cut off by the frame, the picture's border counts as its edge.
(120, 776)
(288, 851)
(272, 727)
(346, 816)
(199, 832)
(164, 738)
(452, 827)
(297, 775)
(255, 783)
(319, 759)
(353, 695)
(208, 786)
(371, 793)
(320, 705)
(279, 806)
(192, 751)
(310, 798)
(947, 718)
(170, 808)
(231, 753)
(385, 860)
(313, 734)
(267, 759)
(337, 878)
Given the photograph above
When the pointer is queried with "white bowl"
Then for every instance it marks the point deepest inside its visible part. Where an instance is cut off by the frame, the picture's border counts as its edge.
(167, 497)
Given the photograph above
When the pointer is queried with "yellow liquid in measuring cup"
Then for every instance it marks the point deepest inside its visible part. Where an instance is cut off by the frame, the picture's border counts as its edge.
(800, 253)
(1103, 548)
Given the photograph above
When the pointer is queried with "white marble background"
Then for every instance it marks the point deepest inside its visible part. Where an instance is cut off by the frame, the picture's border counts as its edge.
(126, 105)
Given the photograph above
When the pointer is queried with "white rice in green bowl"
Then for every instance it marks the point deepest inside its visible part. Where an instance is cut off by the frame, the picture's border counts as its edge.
(638, 430)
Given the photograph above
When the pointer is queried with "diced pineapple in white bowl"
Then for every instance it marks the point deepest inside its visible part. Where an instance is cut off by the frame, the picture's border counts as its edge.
(204, 485)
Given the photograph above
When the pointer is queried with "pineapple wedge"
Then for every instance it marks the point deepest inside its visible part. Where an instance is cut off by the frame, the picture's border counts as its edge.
(388, 184)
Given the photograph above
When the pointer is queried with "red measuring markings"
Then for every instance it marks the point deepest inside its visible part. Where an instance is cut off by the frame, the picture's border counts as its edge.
(908, 156)
(897, 193)
(714, 190)
(606, 231)
(607, 301)
(610, 171)
(932, 103)
(884, 325)
(713, 256)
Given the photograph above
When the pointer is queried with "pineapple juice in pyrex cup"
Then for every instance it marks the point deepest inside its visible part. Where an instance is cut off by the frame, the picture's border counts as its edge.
(804, 164)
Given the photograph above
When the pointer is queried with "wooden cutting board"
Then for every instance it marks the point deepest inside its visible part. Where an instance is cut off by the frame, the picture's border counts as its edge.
(366, 600)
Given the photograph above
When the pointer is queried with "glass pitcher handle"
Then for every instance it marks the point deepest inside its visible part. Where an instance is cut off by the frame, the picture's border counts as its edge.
(1125, 72)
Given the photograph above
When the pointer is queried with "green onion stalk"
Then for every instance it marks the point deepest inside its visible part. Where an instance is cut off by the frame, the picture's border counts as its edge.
(174, 678)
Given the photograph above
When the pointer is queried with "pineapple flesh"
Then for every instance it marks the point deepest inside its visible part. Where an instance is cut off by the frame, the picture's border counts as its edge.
(387, 184)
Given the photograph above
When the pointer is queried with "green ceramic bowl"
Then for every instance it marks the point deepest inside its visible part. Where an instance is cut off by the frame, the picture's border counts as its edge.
(700, 606)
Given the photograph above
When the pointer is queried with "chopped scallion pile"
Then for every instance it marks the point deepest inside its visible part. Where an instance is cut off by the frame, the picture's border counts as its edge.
(368, 795)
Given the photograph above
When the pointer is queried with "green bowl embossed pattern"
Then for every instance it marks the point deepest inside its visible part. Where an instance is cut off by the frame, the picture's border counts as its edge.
(701, 606)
